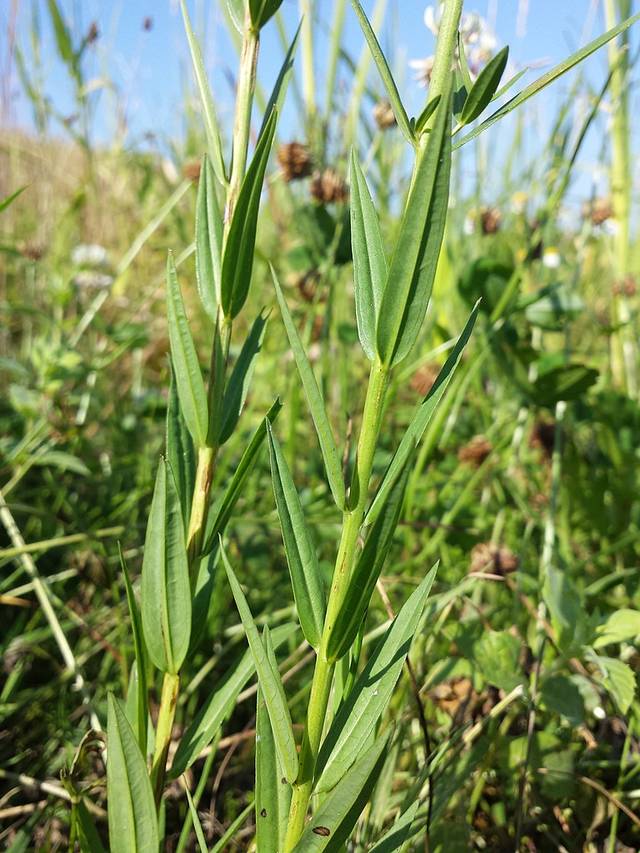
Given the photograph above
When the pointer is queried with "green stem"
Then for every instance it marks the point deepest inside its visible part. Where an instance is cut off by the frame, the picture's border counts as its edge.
(308, 72)
(323, 673)
(166, 715)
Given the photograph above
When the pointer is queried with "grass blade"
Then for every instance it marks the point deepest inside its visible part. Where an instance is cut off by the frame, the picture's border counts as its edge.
(276, 99)
(212, 715)
(222, 844)
(421, 419)
(206, 98)
(180, 453)
(550, 77)
(355, 721)
(4, 204)
(330, 454)
(485, 87)
(269, 680)
(413, 265)
(197, 826)
(166, 592)
(306, 579)
(237, 263)
(189, 382)
(237, 387)
(369, 261)
(133, 826)
(385, 73)
(398, 833)
(209, 229)
(142, 711)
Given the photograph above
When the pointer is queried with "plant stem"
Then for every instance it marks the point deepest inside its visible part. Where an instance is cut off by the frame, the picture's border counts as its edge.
(168, 702)
(323, 673)
(242, 121)
(308, 72)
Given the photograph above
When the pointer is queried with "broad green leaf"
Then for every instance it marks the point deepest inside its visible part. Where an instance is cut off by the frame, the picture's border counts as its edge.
(398, 833)
(197, 826)
(358, 715)
(189, 382)
(235, 392)
(552, 75)
(485, 87)
(142, 711)
(269, 680)
(622, 626)
(273, 796)
(237, 262)
(166, 592)
(367, 571)
(414, 261)
(206, 99)
(566, 609)
(4, 204)
(385, 73)
(421, 419)
(217, 708)
(618, 679)
(562, 695)
(496, 654)
(369, 261)
(334, 820)
(262, 11)
(133, 826)
(209, 228)
(179, 448)
(330, 454)
(302, 559)
(221, 512)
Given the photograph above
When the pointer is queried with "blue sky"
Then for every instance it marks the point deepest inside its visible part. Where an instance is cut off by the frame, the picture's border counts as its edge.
(150, 70)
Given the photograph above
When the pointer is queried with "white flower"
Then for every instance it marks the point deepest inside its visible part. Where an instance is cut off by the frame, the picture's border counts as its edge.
(551, 258)
(91, 280)
(89, 254)
(423, 69)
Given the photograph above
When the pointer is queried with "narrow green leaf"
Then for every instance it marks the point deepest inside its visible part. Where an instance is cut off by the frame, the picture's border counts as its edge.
(189, 382)
(4, 204)
(235, 392)
(133, 826)
(367, 570)
(385, 73)
(302, 559)
(421, 419)
(369, 261)
(209, 229)
(548, 78)
(330, 454)
(62, 36)
(142, 711)
(485, 87)
(221, 512)
(276, 99)
(179, 448)
(206, 98)
(413, 265)
(222, 844)
(197, 826)
(269, 680)
(166, 593)
(463, 65)
(88, 837)
(333, 822)
(237, 263)
(262, 11)
(368, 700)
(217, 708)
(427, 112)
(398, 833)
(273, 796)
(511, 82)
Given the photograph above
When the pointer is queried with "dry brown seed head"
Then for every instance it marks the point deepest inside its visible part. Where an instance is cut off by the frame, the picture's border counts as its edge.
(294, 160)
(475, 451)
(383, 115)
(329, 187)
(191, 169)
(497, 559)
(423, 379)
(490, 220)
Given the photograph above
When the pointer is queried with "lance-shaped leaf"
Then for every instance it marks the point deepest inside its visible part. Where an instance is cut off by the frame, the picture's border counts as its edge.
(421, 419)
(427, 112)
(237, 263)
(273, 796)
(262, 10)
(327, 442)
(141, 709)
(369, 261)
(355, 721)
(180, 452)
(485, 87)
(206, 98)
(166, 593)
(217, 708)
(189, 382)
(306, 578)
(385, 73)
(197, 826)
(413, 265)
(221, 512)
(367, 571)
(398, 833)
(333, 822)
(237, 386)
(269, 680)
(276, 99)
(133, 826)
(209, 230)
